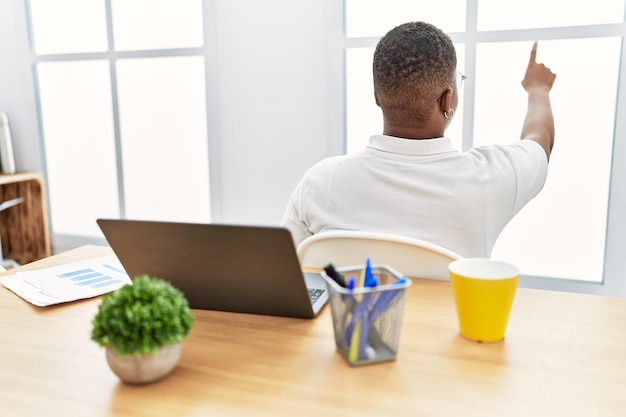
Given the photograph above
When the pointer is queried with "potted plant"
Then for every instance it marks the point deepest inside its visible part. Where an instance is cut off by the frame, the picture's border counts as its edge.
(141, 326)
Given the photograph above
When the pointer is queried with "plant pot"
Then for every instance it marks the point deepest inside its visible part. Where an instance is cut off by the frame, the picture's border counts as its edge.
(143, 369)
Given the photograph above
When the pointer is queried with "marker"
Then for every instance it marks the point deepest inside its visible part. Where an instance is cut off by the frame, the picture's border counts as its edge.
(334, 275)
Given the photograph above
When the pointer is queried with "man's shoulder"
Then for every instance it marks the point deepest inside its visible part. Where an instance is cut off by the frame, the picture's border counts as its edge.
(337, 160)
(526, 149)
(519, 144)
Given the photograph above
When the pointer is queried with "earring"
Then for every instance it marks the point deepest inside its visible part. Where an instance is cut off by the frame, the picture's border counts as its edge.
(448, 116)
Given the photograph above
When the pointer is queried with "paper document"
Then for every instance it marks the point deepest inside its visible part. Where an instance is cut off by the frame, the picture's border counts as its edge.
(69, 282)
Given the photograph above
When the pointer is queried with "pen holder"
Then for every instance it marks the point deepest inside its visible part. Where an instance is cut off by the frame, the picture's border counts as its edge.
(367, 321)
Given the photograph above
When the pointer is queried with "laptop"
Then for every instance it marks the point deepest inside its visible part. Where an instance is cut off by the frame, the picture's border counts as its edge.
(243, 269)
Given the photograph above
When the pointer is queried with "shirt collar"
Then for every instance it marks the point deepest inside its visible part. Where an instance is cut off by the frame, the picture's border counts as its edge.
(421, 147)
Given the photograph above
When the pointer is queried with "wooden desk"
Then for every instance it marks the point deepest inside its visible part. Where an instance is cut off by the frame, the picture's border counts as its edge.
(565, 355)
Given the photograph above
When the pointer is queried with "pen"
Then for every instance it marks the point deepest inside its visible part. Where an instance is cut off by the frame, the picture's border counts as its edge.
(366, 312)
(370, 280)
(353, 352)
(385, 300)
(351, 283)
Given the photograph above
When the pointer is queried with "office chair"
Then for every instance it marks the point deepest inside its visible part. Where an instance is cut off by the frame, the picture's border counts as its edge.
(411, 257)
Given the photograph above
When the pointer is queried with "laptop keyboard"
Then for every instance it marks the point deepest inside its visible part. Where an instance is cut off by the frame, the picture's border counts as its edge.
(315, 293)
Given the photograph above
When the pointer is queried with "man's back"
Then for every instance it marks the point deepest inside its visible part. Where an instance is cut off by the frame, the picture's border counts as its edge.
(420, 188)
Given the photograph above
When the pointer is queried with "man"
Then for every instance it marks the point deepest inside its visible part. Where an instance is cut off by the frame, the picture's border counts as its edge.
(409, 180)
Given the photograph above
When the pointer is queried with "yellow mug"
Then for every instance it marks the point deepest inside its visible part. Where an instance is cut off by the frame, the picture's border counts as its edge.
(484, 290)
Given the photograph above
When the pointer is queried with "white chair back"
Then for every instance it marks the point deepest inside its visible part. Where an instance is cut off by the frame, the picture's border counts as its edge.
(411, 257)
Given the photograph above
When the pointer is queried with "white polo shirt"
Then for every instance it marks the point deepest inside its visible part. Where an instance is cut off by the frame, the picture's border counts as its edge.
(420, 188)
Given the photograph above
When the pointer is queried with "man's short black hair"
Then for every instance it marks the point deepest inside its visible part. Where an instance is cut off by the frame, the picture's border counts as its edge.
(413, 65)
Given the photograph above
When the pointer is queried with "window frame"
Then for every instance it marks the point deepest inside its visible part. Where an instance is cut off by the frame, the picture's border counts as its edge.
(208, 51)
(614, 271)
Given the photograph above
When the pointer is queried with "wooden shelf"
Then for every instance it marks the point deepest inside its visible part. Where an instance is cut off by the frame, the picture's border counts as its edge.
(24, 227)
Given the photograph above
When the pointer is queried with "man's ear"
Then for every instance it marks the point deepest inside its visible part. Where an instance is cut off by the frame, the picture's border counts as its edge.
(445, 103)
(376, 98)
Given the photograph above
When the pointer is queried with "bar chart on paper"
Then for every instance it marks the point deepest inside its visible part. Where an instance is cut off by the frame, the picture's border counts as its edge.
(69, 282)
(91, 277)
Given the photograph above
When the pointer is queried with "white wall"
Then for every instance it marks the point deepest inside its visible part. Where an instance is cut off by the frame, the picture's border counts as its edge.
(275, 109)
(274, 101)
(17, 96)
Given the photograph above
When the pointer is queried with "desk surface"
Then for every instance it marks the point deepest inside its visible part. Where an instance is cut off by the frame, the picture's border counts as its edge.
(564, 355)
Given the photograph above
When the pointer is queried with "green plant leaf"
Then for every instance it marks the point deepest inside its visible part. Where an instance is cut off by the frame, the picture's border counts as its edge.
(142, 317)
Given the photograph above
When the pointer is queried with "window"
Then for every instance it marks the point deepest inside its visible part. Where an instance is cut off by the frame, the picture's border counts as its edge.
(107, 91)
(563, 233)
(123, 111)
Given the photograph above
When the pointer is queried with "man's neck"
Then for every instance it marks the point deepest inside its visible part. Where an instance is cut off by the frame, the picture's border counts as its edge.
(411, 132)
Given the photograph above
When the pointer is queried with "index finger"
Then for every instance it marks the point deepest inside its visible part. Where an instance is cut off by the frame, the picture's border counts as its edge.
(533, 53)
